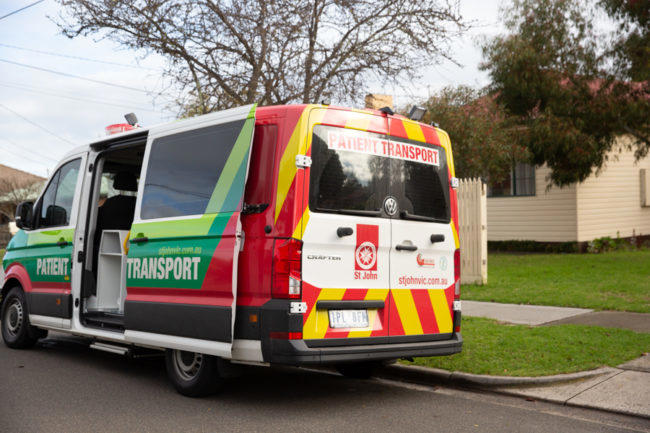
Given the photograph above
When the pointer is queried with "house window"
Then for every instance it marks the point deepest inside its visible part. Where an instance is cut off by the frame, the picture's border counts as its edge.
(521, 182)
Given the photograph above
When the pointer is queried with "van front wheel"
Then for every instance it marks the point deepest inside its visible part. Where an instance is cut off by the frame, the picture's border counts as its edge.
(192, 374)
(17, 333)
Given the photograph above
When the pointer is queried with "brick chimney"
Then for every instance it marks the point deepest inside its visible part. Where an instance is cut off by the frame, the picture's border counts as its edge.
(376, 101)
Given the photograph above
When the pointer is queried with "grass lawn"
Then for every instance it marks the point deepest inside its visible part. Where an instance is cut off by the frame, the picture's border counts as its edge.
(518, 350)
(610, 281)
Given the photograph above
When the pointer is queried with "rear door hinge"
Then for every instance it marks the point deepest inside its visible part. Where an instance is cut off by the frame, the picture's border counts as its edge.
(303, 161)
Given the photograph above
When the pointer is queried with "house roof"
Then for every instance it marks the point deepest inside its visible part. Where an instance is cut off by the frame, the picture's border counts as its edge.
(18, 176)
(15, 182)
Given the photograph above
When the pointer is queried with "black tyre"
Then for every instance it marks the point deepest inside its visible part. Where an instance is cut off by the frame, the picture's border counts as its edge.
(17, 333)
(193, 374)
(358, 370)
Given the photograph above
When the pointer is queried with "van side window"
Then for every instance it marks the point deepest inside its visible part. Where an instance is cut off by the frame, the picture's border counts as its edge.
(259, 187)
(56, 205)
(184, 168)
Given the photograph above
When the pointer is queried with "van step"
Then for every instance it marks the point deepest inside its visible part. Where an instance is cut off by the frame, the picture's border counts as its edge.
(111, 348)
(104, 320)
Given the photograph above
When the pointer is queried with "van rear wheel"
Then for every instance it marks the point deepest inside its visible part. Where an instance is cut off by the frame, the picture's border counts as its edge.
(17, 333)
(193, 374)
(358, 370)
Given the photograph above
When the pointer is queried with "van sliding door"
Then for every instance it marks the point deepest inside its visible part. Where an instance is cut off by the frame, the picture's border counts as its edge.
(186, 236)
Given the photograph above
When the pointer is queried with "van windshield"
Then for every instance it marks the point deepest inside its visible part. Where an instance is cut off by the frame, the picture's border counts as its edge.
(354, 172)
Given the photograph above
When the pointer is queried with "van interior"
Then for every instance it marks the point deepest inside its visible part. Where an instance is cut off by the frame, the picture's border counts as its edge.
(111, 211)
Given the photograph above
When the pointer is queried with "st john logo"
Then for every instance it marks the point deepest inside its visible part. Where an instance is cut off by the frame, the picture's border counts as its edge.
(365, 253)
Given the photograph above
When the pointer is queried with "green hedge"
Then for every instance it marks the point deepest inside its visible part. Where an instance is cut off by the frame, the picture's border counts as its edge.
(533, 247)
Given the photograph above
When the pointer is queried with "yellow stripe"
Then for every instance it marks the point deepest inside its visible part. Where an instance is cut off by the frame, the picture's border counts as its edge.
(302, 225)
(318, 320)
(413, 131)
(358, 122)
(407, 311)
(456, 239)
(287, 169)
(446, 144)
(441, 310)
(372, 295)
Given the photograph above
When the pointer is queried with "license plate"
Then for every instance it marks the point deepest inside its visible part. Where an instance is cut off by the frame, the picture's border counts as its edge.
(348, 318)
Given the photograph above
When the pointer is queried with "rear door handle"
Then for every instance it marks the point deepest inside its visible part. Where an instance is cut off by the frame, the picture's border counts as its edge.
(62, 243)
(437, 238)
(344, 231)
(406, 247)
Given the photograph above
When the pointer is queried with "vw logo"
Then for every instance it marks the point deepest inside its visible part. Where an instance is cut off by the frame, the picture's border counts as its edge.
(390, 206)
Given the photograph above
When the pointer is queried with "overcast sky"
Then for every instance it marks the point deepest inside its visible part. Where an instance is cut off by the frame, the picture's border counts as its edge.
(76, 111)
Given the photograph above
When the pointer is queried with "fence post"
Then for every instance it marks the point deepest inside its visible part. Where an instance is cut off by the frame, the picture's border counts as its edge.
(472, 212)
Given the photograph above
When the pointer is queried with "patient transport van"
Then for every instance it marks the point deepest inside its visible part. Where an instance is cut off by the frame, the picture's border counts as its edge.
(296, 235)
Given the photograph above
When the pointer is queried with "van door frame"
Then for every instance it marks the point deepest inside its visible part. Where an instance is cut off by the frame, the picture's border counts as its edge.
(90, 196)
(60, 321)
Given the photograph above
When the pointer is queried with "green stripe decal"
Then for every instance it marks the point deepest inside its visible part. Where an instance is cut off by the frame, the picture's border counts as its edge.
(229, 176)
(174, 228)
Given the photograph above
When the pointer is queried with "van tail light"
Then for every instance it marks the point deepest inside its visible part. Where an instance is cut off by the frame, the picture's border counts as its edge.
(457, 274)
(287, 274)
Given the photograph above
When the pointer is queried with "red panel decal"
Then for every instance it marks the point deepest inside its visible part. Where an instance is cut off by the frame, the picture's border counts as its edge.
(394, 321)
(397, 128)
(309, 296)
(218, 277)
(430, 135)
(284, 224)
(365, 254)
(449, 293)
(425, 311)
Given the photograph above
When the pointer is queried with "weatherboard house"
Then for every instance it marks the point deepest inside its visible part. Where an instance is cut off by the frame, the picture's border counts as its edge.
(614, 202)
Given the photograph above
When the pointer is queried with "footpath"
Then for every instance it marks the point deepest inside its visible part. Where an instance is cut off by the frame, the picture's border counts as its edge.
(624, 389)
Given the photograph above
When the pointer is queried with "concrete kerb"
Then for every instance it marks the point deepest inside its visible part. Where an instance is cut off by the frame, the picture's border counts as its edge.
(425, 375)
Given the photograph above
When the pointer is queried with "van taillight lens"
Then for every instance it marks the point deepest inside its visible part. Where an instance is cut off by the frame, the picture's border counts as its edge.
(287, 278)
(457, 274)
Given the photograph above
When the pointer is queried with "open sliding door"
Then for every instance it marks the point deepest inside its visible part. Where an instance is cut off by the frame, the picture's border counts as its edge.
(185, 240)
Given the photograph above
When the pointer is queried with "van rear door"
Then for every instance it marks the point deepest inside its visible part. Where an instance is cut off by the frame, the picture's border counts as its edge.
(423, 243)
(186, 236)
(346, 241)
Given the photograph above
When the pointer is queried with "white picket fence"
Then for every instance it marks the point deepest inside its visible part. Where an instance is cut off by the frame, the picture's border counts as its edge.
(472, 213)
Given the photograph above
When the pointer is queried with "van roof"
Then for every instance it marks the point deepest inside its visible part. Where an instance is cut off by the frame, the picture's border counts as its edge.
(144, 130)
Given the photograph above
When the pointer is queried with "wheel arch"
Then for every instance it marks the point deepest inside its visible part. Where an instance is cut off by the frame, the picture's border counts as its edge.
(16, 275)
(9, 284)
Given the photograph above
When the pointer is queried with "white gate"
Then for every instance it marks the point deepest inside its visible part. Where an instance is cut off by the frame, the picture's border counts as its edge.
(472, 212)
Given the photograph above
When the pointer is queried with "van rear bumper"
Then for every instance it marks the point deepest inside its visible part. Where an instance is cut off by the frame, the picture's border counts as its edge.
(312, 352)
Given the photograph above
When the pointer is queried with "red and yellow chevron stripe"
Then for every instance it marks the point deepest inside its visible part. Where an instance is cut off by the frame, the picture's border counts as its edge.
(406, 312)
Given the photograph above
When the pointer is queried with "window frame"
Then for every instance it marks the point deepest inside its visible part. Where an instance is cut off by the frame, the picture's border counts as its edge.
(75, 202)
(513, 183)
(212, 119)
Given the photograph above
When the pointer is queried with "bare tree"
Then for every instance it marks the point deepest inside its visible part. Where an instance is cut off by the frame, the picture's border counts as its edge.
(14, 191)
(224, 53)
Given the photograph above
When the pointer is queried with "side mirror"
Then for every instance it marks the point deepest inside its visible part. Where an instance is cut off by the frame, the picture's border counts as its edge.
(24, 215)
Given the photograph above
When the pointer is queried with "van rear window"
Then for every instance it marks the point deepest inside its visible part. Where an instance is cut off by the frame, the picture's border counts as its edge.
(355, 171)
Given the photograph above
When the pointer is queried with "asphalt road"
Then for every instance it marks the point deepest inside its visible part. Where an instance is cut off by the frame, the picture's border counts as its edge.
(63, 385)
